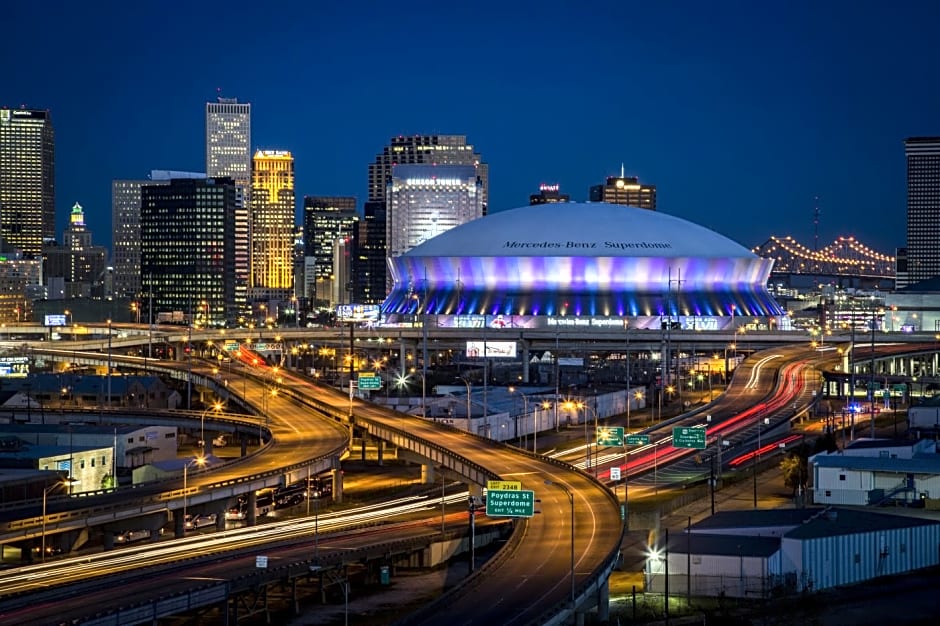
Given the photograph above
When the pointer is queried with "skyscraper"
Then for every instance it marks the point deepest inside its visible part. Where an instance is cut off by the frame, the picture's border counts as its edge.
(429, 149)
(328, 219)
(77, 262)
(187, 255)
(27, 180)
(427, 200)
(923, 208)
(625, 190)
(548, 194)
(402, 150)
(370, 264)
(272, 226)
(228, 140)
(228, 154)
(125, 228)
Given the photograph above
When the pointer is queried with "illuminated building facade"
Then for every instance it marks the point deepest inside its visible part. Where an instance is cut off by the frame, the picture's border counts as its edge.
(625, 190)
(427, 200)
(548, 194)
(80, 264)
(574, 259)
(328, 219)
(187, 256)
(272, 226)
(370, 264)
(403, 150)
(125, 228)
(228, 154)
(923, 208)
(27, 180)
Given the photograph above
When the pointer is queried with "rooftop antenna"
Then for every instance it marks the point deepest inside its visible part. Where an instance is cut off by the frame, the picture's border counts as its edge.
(622, 174)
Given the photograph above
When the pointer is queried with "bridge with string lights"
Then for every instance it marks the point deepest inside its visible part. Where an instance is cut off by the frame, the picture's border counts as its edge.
(844, 257)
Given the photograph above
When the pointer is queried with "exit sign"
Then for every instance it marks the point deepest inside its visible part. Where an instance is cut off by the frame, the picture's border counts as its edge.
(510, 503)
(638, 440)
(686, 437)
(369, 381)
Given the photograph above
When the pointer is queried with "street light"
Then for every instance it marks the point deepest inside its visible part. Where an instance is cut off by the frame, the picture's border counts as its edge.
(199, 461)
(587, 442)
(45, 494)
(215, 407)
(571, 502)
(525, 409)
(766, 421)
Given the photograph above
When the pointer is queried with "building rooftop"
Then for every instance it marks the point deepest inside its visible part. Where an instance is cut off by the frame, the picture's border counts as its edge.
(724, 545)
(919, 464)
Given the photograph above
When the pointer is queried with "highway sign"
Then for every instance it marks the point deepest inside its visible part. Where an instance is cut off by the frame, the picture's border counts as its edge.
(368, 380)
(638, 440)
(686, 437)
(503, 485)
(615, 473)
(510, 503)
(609, 435)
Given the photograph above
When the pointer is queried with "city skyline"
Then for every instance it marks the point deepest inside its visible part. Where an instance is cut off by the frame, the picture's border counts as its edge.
(774, 106)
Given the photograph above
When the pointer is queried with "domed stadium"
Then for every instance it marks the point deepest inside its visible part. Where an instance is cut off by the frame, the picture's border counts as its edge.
(580, 259)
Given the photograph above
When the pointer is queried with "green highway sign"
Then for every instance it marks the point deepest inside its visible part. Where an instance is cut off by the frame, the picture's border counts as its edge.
(687, 437)
(638, 440)
(510, 503)
(609, 435)
(369, 381)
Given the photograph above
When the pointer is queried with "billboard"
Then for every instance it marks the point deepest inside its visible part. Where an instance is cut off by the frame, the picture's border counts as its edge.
(14, 367)
(55, 320)
(492, 349)
(357, 313)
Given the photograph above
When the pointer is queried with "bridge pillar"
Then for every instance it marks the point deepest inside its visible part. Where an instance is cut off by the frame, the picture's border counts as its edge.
(362, 447)
(251, 510)
(428, 476)
(337, 475)
(379, 450)
(603, 602)
(179, 529)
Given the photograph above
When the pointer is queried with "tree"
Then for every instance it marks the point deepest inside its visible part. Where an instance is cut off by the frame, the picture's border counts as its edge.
(794, 471)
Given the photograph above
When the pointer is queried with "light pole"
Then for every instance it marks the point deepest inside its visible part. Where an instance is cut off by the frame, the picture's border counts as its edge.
(571, 502)
(587, 442)
(200, 462)
(202, 422)
(766, 420)
(109, 363)
(525, 409)
(45, 494)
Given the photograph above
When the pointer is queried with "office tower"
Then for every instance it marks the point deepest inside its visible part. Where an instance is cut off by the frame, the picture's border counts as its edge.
(187, 256)
(429, 149)
(923, 208)
(328, 219)
(427, 200)
(370, 264)
(228, 154)
(416, 149)
(272, 226)
(27, 180)
(548, 194)
(125, 224)
(228, 140)
(80, 264)
(625, 190)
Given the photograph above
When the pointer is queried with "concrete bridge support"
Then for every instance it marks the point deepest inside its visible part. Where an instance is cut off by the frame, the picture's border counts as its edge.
(337, 475)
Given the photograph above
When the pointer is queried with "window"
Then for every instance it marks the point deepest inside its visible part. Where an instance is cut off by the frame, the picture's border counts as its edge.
(857, 558)
(81, 464)
(841, 476)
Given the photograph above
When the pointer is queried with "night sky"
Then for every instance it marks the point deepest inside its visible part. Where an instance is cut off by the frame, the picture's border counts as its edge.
(740, 113)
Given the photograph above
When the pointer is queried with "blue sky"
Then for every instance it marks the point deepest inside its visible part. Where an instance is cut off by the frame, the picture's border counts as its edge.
(741, 113)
